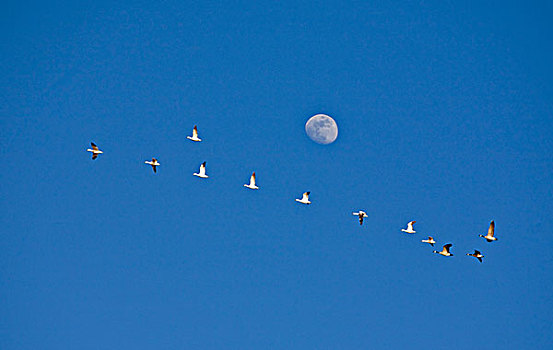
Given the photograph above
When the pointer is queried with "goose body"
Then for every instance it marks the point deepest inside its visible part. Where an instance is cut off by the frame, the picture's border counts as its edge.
(252, 185)
(361, 214)
(430, 241)
(304, 199)
(409, 227)
(477, 255)
(154, 163)
(94, 150)
(490, 236)
(194, 136)
(201, 173)
(445, 250)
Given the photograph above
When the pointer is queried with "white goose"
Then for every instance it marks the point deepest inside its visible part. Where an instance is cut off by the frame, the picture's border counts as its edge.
(477, 255)
(202, 172)
(361, 214)
(95, 151)
(194, 136)
(445, 251)
(154, 163)
(304, 199)
(430, 241)
(252, 183)
(489, 237)
(409, 227)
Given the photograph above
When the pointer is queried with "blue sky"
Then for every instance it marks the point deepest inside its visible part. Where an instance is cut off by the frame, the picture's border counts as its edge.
(445, 114)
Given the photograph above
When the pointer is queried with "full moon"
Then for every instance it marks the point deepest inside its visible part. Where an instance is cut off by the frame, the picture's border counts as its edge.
(322, 129)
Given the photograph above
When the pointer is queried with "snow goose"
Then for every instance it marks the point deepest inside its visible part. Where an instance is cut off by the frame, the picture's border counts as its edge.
(430, 241)
(95, 151)
(361, 214)
(409, 227)
(202, 172)
(154, 163)
(252, 183)
(304, 199)
(194, 136)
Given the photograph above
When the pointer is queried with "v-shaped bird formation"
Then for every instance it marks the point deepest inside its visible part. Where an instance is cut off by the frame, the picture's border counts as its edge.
(154, 163)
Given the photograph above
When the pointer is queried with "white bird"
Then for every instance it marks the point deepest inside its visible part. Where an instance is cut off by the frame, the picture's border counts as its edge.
(252, 183)
(445, 251)
(361, 214)
(202, 172)
(304, 199)
(477, 255)
(194, 136)
(154, 163)
(95, 151)
(489, 237)
(430, 241)
(409, 227)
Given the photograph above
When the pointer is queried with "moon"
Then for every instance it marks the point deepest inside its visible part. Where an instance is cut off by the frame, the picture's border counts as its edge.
(322, 129)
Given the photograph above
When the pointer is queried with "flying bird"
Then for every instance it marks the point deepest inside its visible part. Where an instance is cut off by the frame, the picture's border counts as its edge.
(430, 241)
(361, 214)
(154, 163)
(202, 172)
(445, 251)
(95, 151)
(409, 227)
(489, 237)
(194, 136)
(252, 183)
(477, 255)
(304, 199)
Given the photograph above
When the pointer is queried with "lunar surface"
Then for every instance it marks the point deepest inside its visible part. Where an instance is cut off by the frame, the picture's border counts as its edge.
(322, 129)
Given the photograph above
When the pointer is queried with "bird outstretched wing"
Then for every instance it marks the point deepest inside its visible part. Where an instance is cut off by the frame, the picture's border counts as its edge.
(491, 229)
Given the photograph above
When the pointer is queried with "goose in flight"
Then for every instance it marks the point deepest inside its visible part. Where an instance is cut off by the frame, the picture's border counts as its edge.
(445, 251)
(430, 241)
(361, 214)
(95, 151)
(477, 255)
(304, 199)
(154, 163)
(252, 183)
(409, 227)
(194, 136)
(202, 172)
(489, 237)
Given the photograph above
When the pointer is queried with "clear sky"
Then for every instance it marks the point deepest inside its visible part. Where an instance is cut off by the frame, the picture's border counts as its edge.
(445, 114)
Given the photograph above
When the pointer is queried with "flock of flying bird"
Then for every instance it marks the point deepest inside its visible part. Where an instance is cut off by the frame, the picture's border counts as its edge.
(445, 250)
(305, 200)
